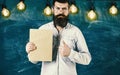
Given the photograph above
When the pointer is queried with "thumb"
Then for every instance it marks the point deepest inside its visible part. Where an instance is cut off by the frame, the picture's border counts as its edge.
(64, 43)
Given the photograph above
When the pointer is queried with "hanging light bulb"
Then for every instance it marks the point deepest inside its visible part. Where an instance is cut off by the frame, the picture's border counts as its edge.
(92, 15)
(73, 9)
(5, 12)
(21, 6)
(47, 11)
(113, 10)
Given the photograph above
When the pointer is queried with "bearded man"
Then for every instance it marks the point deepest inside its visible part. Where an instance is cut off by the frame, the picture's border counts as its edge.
(69, 45)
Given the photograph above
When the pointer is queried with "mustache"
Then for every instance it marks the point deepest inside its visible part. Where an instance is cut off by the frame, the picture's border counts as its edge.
(61, 15)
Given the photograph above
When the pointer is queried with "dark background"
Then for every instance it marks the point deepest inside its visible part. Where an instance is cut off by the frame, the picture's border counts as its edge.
(102, 37)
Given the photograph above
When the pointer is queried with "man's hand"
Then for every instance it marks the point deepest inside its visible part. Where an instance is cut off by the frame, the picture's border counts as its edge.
(30, 47)
(64, 50)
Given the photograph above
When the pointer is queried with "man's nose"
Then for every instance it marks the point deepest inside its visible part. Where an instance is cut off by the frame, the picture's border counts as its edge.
(61, 11)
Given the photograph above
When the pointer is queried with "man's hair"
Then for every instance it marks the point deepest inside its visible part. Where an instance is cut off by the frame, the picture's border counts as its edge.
(61, 1)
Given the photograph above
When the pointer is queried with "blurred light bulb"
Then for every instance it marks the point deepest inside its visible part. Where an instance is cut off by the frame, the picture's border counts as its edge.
(21, 6)
(73, 9)
(5, 12)
(47, 11)
(113, 10)
(92, 15)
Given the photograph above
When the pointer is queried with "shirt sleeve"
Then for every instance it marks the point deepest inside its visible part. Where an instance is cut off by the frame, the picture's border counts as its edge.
(34, 62)
(83, 55)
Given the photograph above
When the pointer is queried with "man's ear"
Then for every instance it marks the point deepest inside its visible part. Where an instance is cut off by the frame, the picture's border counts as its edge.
(69, 8)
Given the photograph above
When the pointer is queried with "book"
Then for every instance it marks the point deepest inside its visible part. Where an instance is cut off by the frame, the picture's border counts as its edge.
(43, 40)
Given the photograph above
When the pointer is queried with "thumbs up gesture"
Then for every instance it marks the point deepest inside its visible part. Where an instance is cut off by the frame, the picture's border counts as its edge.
(64, 50)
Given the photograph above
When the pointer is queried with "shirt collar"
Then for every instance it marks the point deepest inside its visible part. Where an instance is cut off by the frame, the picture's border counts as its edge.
(66, 27)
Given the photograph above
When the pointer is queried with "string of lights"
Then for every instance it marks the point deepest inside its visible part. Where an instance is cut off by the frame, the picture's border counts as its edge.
(91, 13)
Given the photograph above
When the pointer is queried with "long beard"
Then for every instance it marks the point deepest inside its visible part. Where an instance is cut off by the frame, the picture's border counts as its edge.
(60, 20)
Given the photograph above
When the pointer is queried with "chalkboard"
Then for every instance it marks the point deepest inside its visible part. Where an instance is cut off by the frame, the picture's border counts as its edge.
(103, 40)
(102, 37)
(15, 35)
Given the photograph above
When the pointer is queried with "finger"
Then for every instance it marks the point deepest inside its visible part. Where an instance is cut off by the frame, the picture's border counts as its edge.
(30, 47)
(64, 43)
(60, 48)
(30, 43)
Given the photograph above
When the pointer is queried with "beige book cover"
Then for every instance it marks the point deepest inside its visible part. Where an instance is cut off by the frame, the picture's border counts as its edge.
(43, 41)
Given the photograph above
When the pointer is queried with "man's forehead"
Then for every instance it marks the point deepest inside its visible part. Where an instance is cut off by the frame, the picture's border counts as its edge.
(58, 4)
